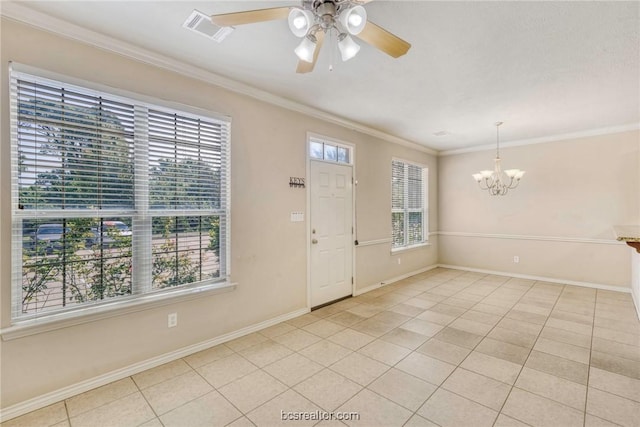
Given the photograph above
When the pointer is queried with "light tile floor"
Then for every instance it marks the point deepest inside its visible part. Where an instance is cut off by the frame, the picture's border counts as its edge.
(444, 347)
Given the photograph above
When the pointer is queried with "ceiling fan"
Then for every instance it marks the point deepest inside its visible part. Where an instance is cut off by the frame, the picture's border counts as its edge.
(317, 18)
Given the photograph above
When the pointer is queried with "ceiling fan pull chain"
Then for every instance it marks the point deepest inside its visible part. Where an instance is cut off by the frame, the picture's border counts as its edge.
(333, 51)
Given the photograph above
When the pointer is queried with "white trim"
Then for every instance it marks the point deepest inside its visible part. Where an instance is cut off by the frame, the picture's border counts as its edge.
(308, 209)
(544, 139)
(367, 289)
(118, 374)
(399, 250)
(636, 303)
(352, 165)
(374, 242)
(526, 237)
(424, 172)
(635, 279)
(51, 322)
(392, 280)
(332, 141)
(62, 28)
(540, 278)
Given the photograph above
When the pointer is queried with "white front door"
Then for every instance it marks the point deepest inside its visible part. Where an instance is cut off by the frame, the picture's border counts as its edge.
(331, 231)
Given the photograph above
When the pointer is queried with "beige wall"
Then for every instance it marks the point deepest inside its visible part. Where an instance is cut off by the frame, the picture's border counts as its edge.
(573, 190)
(268, 146)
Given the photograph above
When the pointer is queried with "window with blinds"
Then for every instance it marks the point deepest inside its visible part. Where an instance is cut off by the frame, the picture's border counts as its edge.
(408, 204)
(112, 197)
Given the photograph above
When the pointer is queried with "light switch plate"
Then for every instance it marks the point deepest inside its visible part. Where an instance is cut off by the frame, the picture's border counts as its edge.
(297, 216)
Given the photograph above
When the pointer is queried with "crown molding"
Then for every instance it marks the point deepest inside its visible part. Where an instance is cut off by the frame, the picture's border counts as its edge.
(21, 13)
(544, 139)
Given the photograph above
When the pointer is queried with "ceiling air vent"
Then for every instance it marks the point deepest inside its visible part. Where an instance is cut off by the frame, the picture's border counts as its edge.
(201, 24)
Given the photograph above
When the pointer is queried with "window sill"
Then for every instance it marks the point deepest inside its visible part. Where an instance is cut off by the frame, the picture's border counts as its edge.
(92, 314)
(409, 248)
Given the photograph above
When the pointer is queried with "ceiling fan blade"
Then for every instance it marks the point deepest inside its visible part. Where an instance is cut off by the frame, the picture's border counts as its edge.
(307, 67)
(384, 40)
(250, 16)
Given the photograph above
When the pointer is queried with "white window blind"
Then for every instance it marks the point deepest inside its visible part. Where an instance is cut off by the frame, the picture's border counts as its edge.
(408, 204)
(112, 197)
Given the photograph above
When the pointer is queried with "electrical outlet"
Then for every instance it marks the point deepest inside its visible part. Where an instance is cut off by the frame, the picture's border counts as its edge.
(172, 320)
(399, 261)
(516, 259)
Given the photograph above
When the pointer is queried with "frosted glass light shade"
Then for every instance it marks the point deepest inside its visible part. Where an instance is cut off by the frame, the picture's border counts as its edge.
(300, 21)
(353, 19)
(519, 174)
(305, 49)
(477, 177)
(348, 48)
(486, 173)
(511, 172)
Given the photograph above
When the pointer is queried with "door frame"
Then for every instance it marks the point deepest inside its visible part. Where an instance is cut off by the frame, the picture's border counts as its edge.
(352, 147)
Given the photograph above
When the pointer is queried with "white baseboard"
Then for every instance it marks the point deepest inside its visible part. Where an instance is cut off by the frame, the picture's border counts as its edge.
(86, 385)
(636, 302)
(540, 278)
(392, 280)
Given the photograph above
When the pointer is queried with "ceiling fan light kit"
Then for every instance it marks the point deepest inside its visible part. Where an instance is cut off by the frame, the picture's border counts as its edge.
(353, 19)
(497, 182)
(306, 48)
(317, 18)
(348, 48)
(300, 21)
(305, 23)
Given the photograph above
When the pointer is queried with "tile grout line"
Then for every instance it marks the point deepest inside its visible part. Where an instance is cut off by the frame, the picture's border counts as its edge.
(66, 410)
(530, 351)
(593, 327)
(472, 350)
(588, 366)
(216, 389)
(413, 413)
(146, 400)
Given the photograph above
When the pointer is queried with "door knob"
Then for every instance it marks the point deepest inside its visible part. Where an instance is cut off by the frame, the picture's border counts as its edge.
(314, 241)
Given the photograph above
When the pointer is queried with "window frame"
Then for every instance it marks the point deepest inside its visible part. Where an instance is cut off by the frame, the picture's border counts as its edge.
(318, 139)
(140, 294)
(406, 210)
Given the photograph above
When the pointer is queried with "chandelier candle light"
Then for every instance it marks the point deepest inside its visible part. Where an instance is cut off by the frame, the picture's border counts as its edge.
(497, 182)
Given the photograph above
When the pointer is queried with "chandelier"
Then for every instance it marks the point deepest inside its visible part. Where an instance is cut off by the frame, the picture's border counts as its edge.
(495, 181)
(341, 17)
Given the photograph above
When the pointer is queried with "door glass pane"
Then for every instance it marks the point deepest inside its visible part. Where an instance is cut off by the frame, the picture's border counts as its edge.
(316, 150)
(343, 155)
(330, 152)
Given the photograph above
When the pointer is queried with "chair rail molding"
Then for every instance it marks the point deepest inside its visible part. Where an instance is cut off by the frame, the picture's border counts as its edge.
(562, 239)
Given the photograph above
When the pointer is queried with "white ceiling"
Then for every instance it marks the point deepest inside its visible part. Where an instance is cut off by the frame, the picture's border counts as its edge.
(544, 68)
